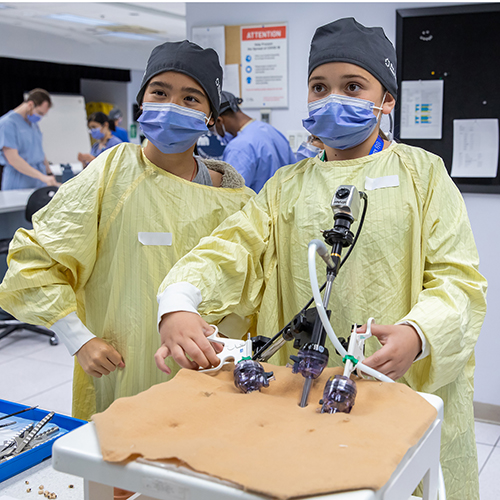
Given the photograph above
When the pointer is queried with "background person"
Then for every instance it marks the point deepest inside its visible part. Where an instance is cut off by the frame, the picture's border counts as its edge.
(21, 151)
(101, 129)
(415, 267)
(310, 148)
(254, 148)
(116, 116)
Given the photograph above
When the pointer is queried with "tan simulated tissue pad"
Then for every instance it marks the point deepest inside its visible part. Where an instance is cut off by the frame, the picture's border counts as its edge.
(263, 441)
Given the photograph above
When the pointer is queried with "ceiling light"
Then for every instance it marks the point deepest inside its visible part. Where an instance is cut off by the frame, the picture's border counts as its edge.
(133, 36)
(79, 19)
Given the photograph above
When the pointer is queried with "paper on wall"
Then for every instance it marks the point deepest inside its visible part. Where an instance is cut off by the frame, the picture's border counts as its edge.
(264, 66)
(422, 109)
(211, 37)
(231, 82)
(475, 148)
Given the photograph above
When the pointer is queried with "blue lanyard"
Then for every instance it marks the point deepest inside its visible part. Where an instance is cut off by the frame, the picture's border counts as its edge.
(378, 146)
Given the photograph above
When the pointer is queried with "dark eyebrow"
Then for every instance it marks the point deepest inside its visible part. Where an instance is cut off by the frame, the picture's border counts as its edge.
(344, 77)
(314, 78)
(157, 83)
(165, 85)
(348, 77)
(192, 90)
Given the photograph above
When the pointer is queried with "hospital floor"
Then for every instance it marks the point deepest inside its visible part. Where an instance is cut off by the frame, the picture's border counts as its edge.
(33, 372)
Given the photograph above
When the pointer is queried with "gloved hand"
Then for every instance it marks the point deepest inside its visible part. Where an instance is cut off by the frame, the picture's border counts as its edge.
(185, 334)
(98, 358)
(401, 344)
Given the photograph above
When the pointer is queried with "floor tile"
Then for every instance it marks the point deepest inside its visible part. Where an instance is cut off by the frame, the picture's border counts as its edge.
(57, 399)
(4, 357)
(43, 474)
(22, 377)
(489, 485)
(487, 433)
(483, 452)
(53, 354)
(21, 342)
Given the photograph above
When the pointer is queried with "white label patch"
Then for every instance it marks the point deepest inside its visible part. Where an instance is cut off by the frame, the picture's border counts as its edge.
(381, 182)
(163, 239)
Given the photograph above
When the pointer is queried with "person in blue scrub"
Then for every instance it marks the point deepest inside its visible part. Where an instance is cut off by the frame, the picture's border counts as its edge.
(254, 148)
(310, 148)
(100, 128)
(116, 116)
(21, 151)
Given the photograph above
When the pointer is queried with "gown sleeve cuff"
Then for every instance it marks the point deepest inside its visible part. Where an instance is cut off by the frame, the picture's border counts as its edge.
(180, 296)
(425, 345)
(72, 332)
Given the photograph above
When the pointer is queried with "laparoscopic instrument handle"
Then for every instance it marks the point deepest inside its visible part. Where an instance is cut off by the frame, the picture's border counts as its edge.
(233, 350)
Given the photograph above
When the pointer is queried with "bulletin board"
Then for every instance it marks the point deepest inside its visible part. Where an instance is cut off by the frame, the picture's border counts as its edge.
(461, 46)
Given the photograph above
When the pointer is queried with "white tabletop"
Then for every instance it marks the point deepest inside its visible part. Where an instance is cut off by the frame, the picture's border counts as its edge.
(14, 200)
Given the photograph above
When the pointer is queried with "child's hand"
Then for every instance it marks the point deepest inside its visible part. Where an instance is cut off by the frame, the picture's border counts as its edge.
(98, 358)
(401, 344)
(185, 334)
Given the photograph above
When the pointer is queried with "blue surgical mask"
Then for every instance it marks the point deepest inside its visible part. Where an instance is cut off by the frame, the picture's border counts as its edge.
(307, 150)
(341, 122)
(34, 118)
(96, 133)
(226, 138)
(172, 128)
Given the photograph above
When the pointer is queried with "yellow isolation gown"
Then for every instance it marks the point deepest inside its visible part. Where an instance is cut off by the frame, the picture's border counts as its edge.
(415, 260)
(84, 255)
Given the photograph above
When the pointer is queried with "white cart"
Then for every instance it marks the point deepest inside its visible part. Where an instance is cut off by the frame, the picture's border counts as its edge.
(78, 453)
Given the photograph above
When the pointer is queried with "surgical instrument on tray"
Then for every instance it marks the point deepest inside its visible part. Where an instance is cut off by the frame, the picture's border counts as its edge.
(18, 412)
(27, 438)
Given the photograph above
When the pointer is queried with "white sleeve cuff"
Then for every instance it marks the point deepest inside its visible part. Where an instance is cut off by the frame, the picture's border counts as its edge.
(425, 346)
(72, 332)
(180, 296)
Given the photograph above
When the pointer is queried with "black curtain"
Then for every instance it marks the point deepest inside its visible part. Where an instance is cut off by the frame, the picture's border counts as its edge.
(20, 75)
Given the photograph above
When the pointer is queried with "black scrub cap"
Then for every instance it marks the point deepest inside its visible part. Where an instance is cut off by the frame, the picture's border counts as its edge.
(190, 59)
(229, 101)
(115, 114)
(348, 41)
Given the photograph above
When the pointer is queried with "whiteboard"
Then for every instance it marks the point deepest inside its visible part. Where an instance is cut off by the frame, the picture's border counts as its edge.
(64, 129)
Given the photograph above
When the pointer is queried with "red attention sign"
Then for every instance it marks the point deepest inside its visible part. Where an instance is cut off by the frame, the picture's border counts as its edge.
(269, 33)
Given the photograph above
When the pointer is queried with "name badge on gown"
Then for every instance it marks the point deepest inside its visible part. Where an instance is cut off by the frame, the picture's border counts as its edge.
(381, 182)
(149, 239)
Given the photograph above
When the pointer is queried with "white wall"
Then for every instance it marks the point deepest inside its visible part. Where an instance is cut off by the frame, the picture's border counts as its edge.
(483, 211)
(303, 19)
(107, 91)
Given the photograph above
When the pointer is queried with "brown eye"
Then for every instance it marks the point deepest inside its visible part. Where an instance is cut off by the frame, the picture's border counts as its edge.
(353, 87)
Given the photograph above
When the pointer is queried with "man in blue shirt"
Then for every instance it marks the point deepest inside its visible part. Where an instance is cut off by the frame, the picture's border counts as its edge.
(254, 148)
(116, 116)
(21, 152)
